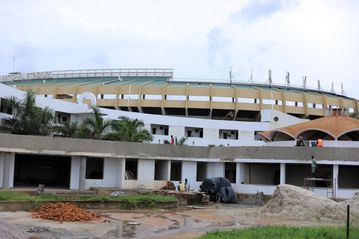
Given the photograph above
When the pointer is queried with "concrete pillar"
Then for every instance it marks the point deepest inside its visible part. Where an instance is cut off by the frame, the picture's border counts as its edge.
(7, 167)
(335, 179)
(122, 172)
(75, 173)
(282, 173)
(240, 174)
(189, 171)
(146, 172)
(168, 170)
(112, 173)
(82, 178)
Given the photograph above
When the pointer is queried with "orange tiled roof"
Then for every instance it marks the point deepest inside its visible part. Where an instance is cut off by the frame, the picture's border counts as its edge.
(335, 126)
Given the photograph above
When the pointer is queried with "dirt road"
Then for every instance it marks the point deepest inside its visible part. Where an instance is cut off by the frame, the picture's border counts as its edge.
(182, 223)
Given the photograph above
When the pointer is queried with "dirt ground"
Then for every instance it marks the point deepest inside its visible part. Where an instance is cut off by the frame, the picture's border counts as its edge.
(182, 223)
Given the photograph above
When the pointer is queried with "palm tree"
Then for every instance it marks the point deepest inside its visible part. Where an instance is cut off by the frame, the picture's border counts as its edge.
(131, 130)
(68, 129)
(94, 127)
(27, 118)
(180, 141)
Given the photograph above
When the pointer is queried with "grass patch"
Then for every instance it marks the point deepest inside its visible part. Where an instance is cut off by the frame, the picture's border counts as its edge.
(132, 198)
(284, 232)
(18, 196)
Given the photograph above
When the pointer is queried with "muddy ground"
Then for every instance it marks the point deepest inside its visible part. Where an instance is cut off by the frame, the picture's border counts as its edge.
(181, 223)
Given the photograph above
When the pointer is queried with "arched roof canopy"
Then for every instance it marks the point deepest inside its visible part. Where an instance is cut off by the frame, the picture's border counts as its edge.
(350, 135)
(279, 135)
(314, 134)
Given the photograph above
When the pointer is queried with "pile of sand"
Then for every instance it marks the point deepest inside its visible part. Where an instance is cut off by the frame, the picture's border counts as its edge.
(295, 203)
(9, 231)
(354, 204)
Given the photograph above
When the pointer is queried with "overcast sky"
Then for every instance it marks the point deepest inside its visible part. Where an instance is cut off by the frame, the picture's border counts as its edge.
(199, 39)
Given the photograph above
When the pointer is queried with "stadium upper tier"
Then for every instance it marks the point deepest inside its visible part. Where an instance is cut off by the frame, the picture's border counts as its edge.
(155, 91)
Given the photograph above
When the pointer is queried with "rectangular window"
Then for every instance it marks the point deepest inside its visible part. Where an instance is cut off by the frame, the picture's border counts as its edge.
(228, 134)
(161, 170)
(201, 171)
(5, 106)
(94, 168)
(131, 169)
(194, 132)
(159, 129)
(230, 172)
(176, 170)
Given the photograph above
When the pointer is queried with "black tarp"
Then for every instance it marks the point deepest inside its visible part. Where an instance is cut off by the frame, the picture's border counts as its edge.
(219, 189)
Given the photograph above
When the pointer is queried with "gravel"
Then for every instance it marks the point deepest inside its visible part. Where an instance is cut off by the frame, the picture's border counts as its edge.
(8, 231)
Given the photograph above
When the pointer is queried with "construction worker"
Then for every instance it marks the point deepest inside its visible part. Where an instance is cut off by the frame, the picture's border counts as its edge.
(319, 143)
(181, 187)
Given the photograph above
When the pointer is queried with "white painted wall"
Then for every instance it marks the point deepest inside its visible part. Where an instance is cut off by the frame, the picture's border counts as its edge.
(146, 173)
(189, 171)
(215, 169)
(75, 173)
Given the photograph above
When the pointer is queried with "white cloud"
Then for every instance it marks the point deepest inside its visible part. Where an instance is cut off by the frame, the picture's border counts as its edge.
(199, 39)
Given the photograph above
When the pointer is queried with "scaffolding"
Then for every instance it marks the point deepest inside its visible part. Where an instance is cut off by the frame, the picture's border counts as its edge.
(329, 184)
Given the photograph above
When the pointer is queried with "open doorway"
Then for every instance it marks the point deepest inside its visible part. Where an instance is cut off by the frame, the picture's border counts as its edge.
(32, 170)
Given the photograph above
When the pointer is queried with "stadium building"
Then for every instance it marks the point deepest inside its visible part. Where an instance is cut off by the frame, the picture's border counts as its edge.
(226, 126)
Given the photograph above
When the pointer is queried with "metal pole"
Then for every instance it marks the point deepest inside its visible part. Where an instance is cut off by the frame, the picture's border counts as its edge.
(348, 217)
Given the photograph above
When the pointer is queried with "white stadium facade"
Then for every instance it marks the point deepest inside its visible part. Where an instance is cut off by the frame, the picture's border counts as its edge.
(232, 130)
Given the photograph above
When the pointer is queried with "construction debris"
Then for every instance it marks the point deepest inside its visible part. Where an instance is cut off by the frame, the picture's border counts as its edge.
(295, 203)
(63, 212)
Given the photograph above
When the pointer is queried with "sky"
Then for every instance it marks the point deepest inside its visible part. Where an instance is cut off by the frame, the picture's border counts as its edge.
(200, 40)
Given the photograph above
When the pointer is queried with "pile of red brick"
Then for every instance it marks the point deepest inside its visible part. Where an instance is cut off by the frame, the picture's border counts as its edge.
(63, 212)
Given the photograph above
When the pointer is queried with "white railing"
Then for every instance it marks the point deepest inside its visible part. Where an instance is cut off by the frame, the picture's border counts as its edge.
(16, 76)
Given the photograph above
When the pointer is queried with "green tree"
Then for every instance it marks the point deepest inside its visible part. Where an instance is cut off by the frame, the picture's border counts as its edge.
(68, 129)
(94, 127)
(131, 130)
(27, 118)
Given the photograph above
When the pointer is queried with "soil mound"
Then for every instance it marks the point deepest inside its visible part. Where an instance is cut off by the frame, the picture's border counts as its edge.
(291, 202)
(354, 204)
(63, 212)
(9, 231)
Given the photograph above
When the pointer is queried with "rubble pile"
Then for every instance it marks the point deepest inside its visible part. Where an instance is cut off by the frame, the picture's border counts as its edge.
(295, 203)
(63, 212)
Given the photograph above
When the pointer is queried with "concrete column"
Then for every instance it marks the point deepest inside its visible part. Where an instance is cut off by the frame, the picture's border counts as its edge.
(82, 176)
(335, 178)
(112, 173)
(240, 175)
(282, 173)
(7, 167)
(168, 170)
(146, 172)
(189, 171)
(75, 173)
(122, 172)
